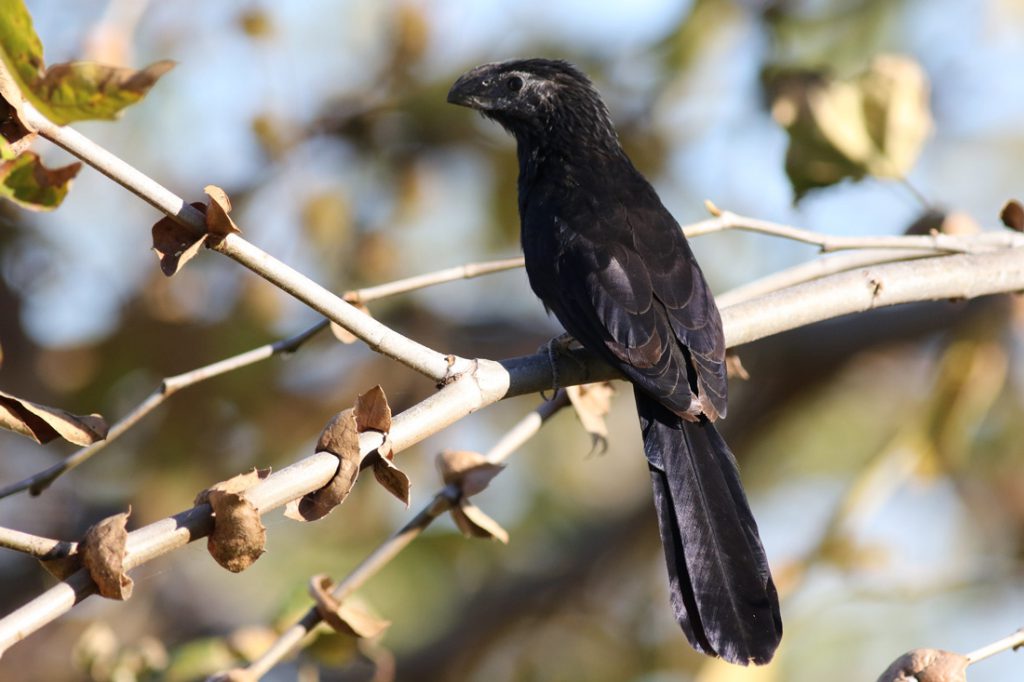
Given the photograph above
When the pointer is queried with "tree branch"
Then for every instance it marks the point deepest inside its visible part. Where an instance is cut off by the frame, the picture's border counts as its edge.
(39, 482)
(380, 557)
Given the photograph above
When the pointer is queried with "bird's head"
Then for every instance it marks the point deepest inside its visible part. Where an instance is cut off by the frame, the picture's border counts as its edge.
(527, 95)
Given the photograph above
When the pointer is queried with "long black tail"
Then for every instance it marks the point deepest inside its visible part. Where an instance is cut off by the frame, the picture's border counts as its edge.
(721, 588)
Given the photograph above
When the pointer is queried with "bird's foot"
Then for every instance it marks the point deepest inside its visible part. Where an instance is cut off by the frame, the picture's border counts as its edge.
(558, 346)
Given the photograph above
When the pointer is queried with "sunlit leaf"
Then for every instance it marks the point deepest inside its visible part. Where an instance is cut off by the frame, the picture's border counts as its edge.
(873, 124)
(43, 424)
(28, 183)
(69, 92)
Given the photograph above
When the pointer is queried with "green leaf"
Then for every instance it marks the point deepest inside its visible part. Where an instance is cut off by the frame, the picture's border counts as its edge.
(28, 183)
(75, 91)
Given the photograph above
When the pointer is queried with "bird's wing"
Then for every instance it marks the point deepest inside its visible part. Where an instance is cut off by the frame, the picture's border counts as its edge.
(631, 286)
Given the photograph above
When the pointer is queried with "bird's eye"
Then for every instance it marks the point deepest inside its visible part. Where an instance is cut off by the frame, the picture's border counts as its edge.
(485, 82)
(514, 83)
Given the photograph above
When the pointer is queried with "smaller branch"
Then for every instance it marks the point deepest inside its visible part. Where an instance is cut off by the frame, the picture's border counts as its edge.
(35, 545)
(442, 501)
(39, 482)
(401, 286)
(936, 243)
(1014, 641)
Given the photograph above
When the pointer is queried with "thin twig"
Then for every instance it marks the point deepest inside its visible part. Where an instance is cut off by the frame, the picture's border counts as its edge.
(379, 337)
(39, 482)
(442, 501)
(401, 286)
(936, 243)
(35, 545)
(1014, 641)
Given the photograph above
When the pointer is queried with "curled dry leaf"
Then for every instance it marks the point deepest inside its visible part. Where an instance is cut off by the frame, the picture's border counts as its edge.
(174, 243)
(475, 523)
(372, 411)
(734, 366)
(1012, 215)
(343, 617)
(470, 471)
(592, 402)
(340, 437)
(344, 335)
(235, 484)
(927, 665)
(102, 551)
(43, 424)
(391, 477)
(238, 536)
(218, 223)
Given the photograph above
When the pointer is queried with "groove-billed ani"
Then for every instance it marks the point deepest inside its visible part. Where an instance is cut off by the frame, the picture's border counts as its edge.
(609, 260)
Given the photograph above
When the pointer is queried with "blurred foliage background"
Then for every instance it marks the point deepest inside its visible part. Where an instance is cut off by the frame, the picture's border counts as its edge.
(882, 453)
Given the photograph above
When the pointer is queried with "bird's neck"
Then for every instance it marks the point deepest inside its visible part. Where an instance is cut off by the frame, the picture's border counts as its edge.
(565, 150)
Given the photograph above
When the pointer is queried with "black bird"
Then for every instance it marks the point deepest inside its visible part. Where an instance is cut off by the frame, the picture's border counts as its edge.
(609, 260)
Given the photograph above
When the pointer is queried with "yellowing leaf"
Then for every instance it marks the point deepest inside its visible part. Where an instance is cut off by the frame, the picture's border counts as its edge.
(873, 124)
(43, 424)
(67, 92)
(28, 183)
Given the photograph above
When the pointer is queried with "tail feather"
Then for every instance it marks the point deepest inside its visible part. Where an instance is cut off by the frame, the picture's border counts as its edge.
(721, 587)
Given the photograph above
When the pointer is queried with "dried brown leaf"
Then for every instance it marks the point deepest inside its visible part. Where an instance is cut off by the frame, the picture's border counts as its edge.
(344, 335)
(102, 551)
(471, 471)
(476, 524)
(341, 438)
(175, 243)
(1012, 215)
(927, 665)
(343, 617)
(372, 411)
(592, 403)
(238, 535)
(218, 223)
(391, 477)
(235, 484)
(734, 367)
(43, 424)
